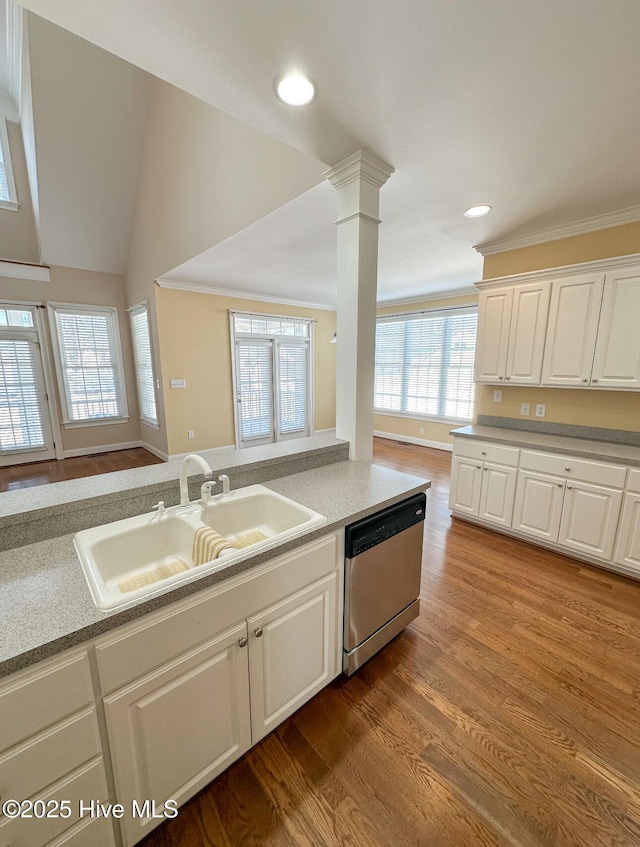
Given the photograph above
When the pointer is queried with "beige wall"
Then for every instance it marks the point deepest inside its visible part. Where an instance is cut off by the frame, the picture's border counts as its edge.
(18, 237)
(587, 407)
(195, 345)
(204, 176)
(69, 285)
(434, 431)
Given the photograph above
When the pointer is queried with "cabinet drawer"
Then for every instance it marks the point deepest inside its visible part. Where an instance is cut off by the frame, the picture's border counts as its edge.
(86, 784)
(491, 452)
(570, 467)
(139, 647)
(97, 832)
(41, 760)
(37, 699)
(634, 480)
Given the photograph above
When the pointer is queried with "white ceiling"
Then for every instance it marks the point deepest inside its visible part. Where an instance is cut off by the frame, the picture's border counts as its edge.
(531, 107)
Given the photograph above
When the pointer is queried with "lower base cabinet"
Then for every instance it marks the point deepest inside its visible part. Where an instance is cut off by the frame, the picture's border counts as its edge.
(175, 728)
(627, 551)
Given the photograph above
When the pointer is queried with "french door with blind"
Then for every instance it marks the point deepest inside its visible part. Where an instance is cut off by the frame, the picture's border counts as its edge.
(25, 423)
(272, 387)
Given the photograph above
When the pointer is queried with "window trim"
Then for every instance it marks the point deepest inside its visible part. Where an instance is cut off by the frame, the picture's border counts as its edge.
(469, 308)
(11, 204)
(76, 308)
(143, 306)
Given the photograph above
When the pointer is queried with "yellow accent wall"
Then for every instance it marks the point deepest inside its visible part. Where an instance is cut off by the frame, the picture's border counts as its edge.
(410, 427)
(195, 345)
(586, 407)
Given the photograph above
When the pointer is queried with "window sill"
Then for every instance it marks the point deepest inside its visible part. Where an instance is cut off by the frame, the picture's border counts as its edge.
(417, 416)
(9, 205)
(151, 424)
(94, 422)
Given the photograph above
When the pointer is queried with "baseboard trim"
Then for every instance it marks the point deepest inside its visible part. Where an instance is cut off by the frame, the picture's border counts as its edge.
(100, 448)
(154, 451)
(409, 439)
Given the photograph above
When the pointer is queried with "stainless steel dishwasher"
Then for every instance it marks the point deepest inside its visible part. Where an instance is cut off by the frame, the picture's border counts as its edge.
(383, 562)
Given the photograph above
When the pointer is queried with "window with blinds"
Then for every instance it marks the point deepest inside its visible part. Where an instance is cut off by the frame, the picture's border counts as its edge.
(143, 360)
(272, 377)
(21, 390)
(89, 363)
(424, 364)
(7, 186)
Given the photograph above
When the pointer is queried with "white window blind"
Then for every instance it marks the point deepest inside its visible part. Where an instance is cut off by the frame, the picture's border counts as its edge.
(7, 185)
(89, 363)
(293, 370)
(424, 363)
(21, 425)
(143, 359)
(255, 389)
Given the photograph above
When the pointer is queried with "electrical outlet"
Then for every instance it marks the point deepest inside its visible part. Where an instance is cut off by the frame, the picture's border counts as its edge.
(525, 408)
(541, 410)
(497, 396)
(178, 383)
(421, 431)
(191, 434)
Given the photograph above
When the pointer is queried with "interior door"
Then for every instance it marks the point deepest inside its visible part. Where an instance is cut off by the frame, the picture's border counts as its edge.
(291, 388)
(254, 387)
(25, 424)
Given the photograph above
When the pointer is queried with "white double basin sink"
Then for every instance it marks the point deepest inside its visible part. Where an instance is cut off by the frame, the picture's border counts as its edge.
(134, 558)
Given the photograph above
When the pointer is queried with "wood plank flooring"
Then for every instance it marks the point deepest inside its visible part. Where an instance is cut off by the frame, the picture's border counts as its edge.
(507, 714)
(40, 473)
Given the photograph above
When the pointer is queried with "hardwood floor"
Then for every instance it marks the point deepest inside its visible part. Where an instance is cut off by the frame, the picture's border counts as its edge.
(507, 714)
(40, 473)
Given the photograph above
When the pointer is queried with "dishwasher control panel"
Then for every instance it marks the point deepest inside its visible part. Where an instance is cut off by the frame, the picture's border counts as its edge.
(377, 528)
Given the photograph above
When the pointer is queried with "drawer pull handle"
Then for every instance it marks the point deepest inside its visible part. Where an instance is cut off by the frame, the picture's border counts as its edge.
(242, 642)
(258, 632)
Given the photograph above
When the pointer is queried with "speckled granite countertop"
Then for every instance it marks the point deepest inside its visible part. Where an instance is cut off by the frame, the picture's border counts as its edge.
(587, 448)
(45, 605)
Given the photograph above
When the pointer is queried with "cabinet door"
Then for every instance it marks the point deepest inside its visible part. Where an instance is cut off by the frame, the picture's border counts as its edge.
(628, 541)
(617, 359)
(494, 321)
(292, 653)
(527, 333)
(589, 518)
(496, 498)
(572, 330)
(466, 482)
(538, 505)
(175, 729)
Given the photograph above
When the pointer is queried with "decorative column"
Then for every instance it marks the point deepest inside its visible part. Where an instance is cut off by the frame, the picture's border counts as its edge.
(358, 180)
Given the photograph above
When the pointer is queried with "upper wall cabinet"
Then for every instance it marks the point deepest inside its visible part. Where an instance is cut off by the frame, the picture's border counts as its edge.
(573, 328)
(512, 320)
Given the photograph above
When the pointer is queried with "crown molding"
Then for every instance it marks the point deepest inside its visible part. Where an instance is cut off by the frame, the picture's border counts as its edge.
(599, 265)
(240, 295)
(425, 298)
(554, 233)
(359, 165)
(23, 270)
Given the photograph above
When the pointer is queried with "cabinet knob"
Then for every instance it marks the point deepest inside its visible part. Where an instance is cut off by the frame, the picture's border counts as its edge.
(500, 377)
(478, 466)
(567, 468)
(507, 377)
(559, 485)
(242, 641)
(584, 379)
(569, 486)
(594, 380)
(484, 452)
(258, 632)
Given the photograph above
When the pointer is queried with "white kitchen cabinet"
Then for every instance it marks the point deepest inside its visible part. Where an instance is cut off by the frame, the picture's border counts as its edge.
(50, 751)
(572, 330)
(616, 362)
(512, 323)
(627, 549)
(292, 647)
(175, 729)
(589, 518)
(538, 505)
(483, 481)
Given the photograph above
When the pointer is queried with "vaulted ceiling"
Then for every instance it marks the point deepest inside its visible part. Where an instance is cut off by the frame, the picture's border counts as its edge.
(530, 107)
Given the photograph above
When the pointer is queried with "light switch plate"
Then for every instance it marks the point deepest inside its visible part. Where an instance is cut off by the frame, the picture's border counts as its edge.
(497, 396)
(525, 408)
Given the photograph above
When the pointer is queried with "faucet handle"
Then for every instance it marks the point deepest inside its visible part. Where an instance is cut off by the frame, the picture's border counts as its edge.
(205, 490)
(159, 507)
(224, 479)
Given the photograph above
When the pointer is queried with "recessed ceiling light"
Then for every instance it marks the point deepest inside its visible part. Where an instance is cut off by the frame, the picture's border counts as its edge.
(294, 90)
(477, 211)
